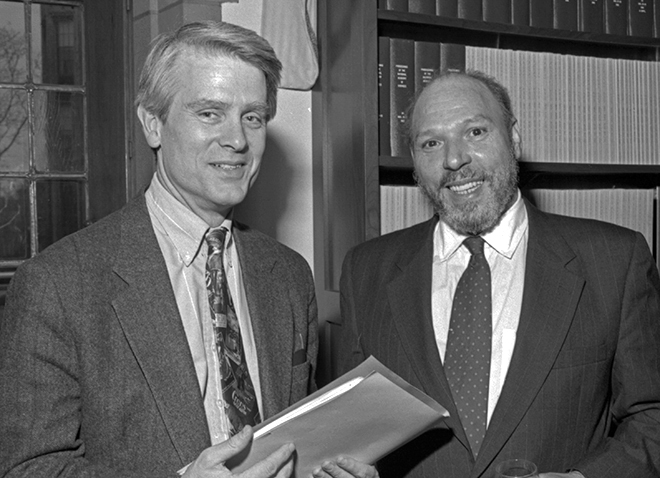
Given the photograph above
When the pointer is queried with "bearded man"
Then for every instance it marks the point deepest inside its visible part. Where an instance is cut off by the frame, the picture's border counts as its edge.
(539, 333)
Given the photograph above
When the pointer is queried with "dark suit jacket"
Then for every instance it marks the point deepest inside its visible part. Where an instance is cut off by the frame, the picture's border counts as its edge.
(96, 376)
(583, 387)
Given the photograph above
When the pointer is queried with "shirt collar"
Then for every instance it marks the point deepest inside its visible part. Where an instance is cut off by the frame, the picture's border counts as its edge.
(504, 238)
(185, 229)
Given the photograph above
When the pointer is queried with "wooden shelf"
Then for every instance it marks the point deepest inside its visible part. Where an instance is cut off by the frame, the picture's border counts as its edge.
(513, 37)
(398, 171)
(390, 19)
(404, 163)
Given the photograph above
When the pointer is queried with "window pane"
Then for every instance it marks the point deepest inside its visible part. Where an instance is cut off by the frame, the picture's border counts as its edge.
(14, 219)
(12, 38)
(60, 210)
(56, 44)
(6, 273)
(13, 130)
(59, 124)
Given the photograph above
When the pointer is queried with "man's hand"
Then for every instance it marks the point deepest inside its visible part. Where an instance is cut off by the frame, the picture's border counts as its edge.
(211, 462)
(345, 467)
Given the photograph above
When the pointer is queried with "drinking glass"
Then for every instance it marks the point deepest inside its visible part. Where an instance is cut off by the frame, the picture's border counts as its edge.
(516, 468)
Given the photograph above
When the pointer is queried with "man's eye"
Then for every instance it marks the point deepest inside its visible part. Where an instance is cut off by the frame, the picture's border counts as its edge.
(253, 119)
(208, 114)
(431, 144)
(477, 132)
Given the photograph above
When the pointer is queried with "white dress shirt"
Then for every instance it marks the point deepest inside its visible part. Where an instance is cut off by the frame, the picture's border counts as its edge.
(505, 250)
(180, 234)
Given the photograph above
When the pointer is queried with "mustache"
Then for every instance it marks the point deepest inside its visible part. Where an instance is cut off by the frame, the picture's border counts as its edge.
(465, 173)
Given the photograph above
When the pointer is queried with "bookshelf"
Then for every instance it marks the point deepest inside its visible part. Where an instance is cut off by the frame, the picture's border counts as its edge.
(347, 128)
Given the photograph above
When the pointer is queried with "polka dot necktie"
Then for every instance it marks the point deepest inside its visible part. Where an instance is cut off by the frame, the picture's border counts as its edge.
(240, 402)
(467, 358)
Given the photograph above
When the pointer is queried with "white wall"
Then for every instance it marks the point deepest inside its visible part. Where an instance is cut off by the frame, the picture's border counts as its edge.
(280, 202)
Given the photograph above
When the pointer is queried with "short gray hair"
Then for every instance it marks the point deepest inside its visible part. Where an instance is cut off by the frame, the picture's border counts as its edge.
(157, 85)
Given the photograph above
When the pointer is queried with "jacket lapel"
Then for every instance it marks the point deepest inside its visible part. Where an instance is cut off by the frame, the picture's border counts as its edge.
(411, 311)
(271, 325)
(551, 294)
(148, 314)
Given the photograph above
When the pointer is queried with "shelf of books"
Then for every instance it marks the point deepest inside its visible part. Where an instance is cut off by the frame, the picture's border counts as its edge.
(583, 76)
(590, 123)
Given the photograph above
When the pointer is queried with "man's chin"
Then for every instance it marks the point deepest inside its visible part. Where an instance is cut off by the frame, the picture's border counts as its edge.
(470, 220)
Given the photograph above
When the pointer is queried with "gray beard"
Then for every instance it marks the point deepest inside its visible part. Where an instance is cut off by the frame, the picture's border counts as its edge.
(475, 218)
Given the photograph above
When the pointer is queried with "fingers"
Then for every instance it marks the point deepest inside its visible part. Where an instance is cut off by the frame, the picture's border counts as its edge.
(345, 467)
(277, 463)
(237, 443)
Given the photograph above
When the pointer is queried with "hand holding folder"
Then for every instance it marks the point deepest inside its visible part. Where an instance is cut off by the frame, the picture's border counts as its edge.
(365, 414)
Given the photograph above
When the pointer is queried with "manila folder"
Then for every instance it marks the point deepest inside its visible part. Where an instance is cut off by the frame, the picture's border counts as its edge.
(365, 414)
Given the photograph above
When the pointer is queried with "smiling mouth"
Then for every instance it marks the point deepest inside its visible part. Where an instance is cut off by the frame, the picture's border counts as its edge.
(228, 167)
(467, 188)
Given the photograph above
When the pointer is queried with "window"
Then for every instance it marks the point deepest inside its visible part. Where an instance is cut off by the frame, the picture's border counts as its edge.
(54, 97)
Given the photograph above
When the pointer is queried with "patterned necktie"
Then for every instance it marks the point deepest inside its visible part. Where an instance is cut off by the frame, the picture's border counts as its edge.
(237, 390)
(467, 359)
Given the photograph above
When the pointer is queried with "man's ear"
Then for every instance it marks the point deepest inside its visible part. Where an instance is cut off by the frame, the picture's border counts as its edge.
(151, 126)
(516, 140)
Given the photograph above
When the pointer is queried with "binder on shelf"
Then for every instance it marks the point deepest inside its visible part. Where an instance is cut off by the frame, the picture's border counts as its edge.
(470, 9)
(631, 208)
(452, 57)
(640, 18)
(427, 62)
(446, 8)
(541, 13)
(384, 148)
(422, 6)
(616, 17)
(401, 207)
(519, 12)
(398, 5)
(595, 110)
(402, 88)
(565, 15)
(497, 11)
(591, 16)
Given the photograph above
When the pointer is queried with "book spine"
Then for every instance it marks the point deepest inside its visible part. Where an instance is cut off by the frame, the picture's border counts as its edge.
(384, 148)
(565, 15)
(402, 58)
(591, 16)
(616, 17)
(541, 13)
(426, 7)
(640, 18)
(497, 11)
(656, 31)
(452, 57)
(427, 62)
(446, 8)
(398, 5)
(520, 12)
(470, 9)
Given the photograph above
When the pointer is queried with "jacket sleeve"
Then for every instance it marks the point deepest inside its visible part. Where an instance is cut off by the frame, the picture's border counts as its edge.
(40, 392)
(634, 447)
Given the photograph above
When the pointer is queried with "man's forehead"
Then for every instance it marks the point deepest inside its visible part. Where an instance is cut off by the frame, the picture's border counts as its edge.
(458, 91)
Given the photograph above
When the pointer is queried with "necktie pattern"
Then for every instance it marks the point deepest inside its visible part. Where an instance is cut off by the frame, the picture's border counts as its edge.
(467, 358)
(238, 392)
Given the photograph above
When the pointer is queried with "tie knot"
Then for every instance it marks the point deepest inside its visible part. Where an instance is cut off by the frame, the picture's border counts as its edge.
(216, 238)
(474, 244)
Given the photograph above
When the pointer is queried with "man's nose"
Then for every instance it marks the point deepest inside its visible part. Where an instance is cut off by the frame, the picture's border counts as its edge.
(456, 155)
(232, 135)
